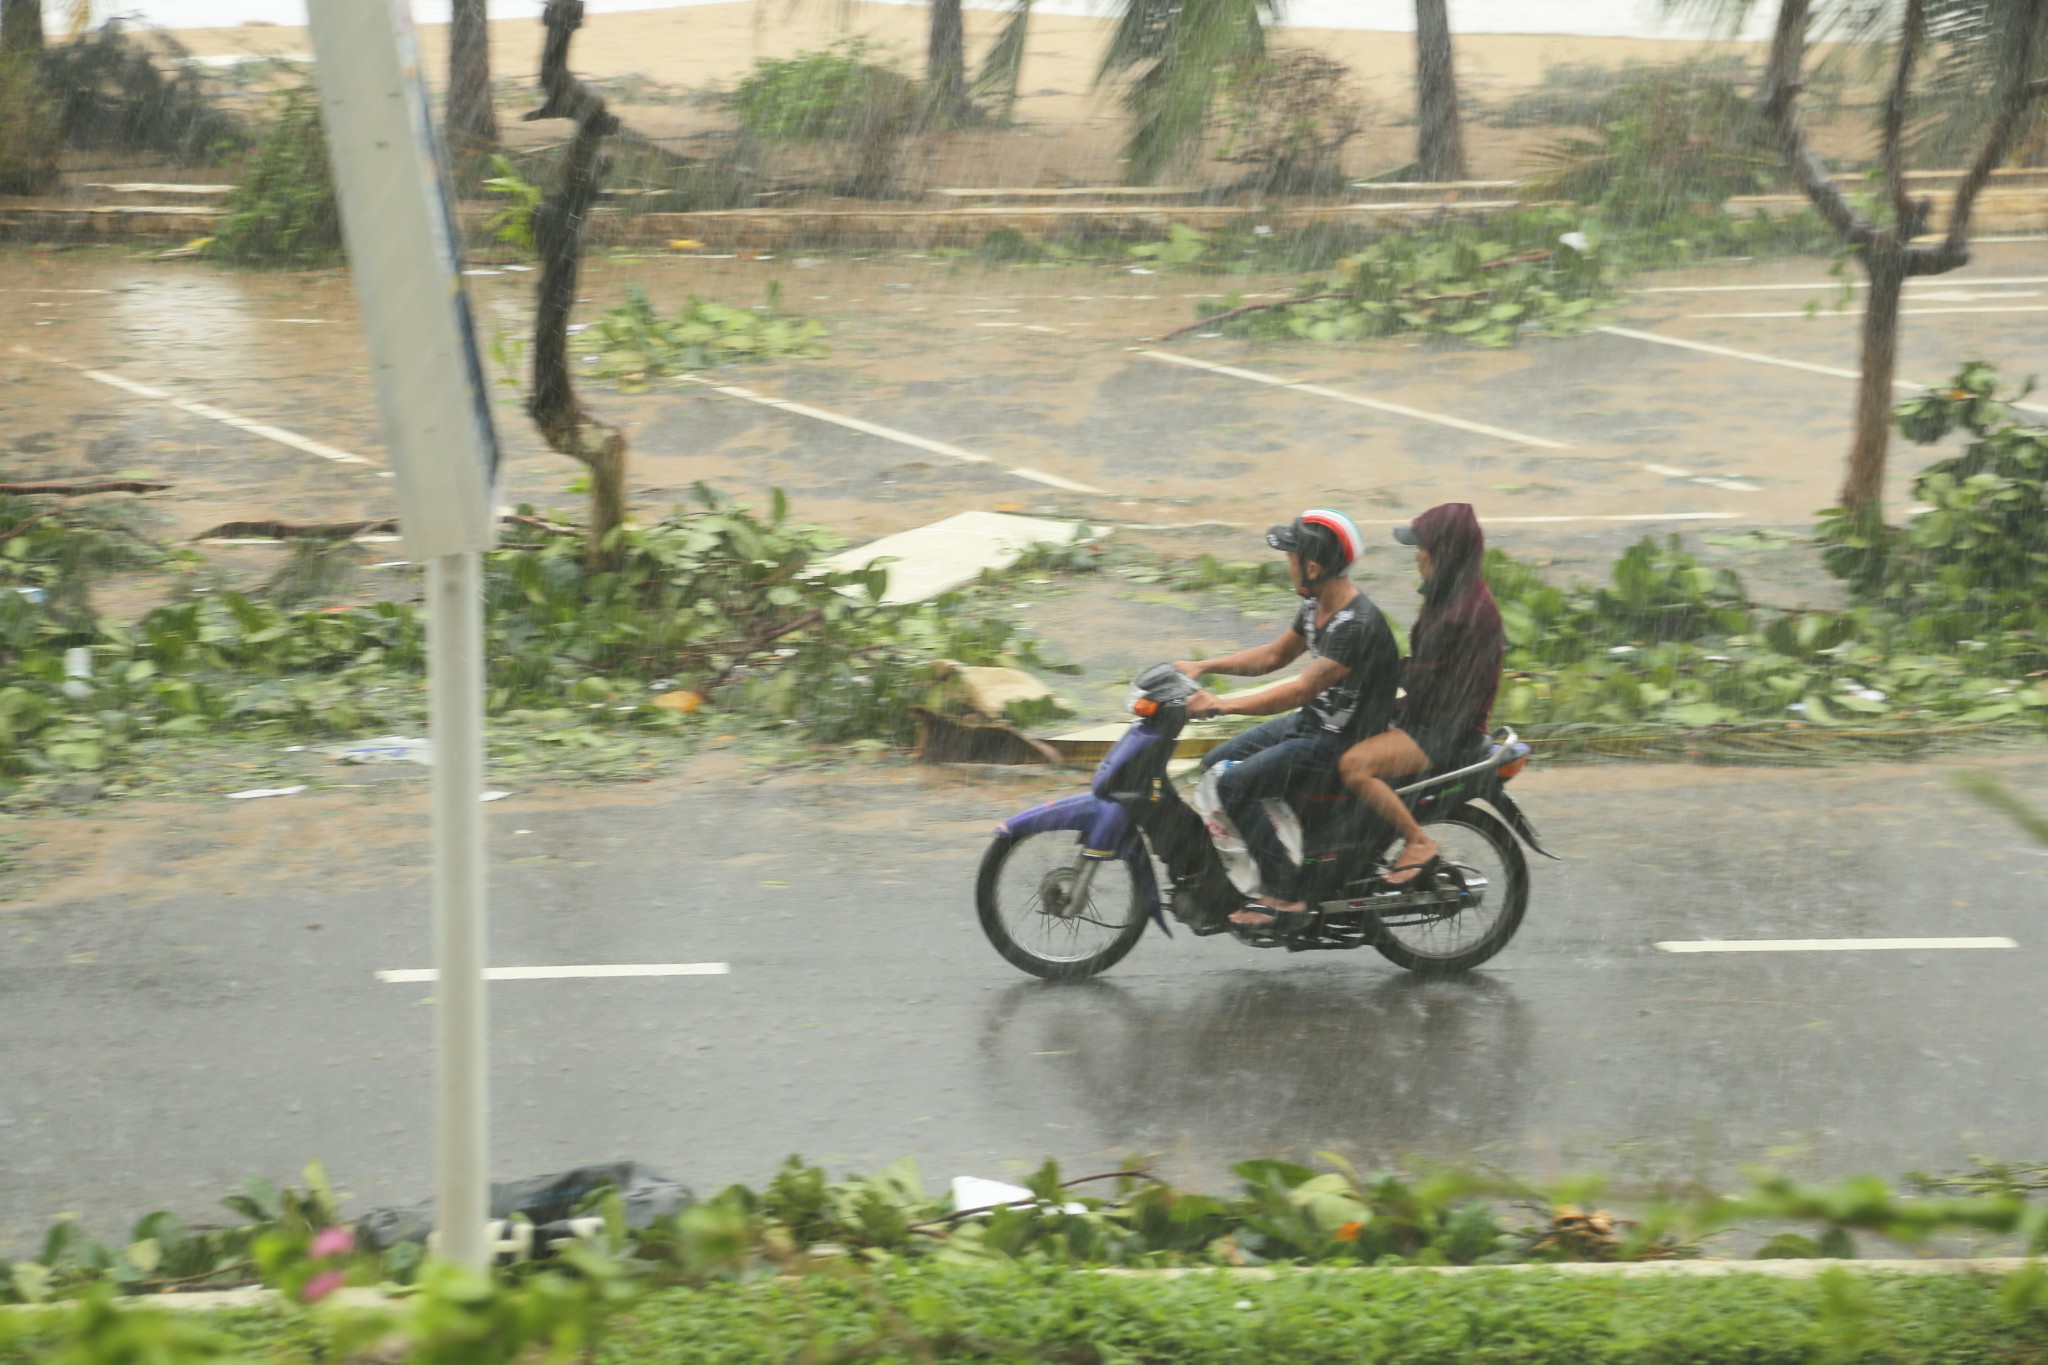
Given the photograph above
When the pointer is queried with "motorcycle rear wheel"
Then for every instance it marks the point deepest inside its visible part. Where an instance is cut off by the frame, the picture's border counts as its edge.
(1478, 846)
(1017, 895)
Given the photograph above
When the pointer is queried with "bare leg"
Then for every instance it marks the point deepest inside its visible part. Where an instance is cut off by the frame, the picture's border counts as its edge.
(1366, 767)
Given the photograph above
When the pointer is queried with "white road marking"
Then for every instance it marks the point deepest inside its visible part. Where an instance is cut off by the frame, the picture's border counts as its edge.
(1829, 945)
(1720, 481)
(905, 438)
(412, 974)
(1551, 521)
(1831, 371)
(206, 410)
(1357, 400)
(1903, 312)
(1830, 285)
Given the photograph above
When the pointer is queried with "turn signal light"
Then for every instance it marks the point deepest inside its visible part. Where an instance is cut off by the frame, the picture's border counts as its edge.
(1508, 770)
(1144, 706)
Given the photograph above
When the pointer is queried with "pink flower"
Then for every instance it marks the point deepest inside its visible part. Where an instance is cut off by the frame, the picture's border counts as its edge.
(332, 1242)
(321, 1285)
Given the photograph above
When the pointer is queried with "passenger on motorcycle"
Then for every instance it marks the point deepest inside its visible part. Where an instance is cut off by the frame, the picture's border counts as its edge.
(1345, 694)
(1452, 673)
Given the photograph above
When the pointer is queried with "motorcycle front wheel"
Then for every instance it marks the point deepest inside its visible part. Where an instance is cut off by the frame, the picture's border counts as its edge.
(1482, 893)
(1023, 895)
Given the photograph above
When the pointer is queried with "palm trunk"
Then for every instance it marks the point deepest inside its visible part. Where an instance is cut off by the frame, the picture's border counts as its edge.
(945, 64)
(1863, 490)
(21, 26)
(472, 117)
(1439, 140)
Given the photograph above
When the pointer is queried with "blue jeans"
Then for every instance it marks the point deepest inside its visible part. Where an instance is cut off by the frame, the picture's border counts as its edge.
(1272, 759)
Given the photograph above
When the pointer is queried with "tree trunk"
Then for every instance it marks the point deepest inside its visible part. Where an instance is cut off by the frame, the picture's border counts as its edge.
(21, 26)
(945, 63)
(472, 117)
(558, 240)
(1863, 491)
(1439, 140)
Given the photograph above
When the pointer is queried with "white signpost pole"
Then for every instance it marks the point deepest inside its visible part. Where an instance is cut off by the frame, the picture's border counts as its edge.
(403, 254)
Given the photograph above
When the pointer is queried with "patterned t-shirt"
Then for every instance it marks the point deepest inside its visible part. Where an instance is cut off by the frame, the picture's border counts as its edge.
(1360, 703)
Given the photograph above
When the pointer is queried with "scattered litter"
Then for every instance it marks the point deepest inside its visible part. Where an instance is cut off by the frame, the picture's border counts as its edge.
(552, 1210)
(686, 244)
(576, 327)
(808, 262)
(295, 748)
(973, 1192)
(387, 749)
(521, 269)
(1576, 241)
(684, 701)
(256, 793)
(483, 272)
(35, 595)
(494, 796)
(392, 564)
(522, 831)
(1141, 270)
(78, 672)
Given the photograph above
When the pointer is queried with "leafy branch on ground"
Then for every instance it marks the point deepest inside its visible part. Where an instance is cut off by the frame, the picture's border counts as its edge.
(716, 602)
(632, 343)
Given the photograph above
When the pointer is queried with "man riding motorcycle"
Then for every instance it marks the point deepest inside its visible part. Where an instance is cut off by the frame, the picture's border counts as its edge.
(1452, 673)
(1345, 694)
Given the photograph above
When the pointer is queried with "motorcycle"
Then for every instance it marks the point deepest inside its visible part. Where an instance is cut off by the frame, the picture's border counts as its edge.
(1066, 888)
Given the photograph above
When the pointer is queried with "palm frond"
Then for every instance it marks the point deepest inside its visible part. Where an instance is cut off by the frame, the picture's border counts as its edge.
(1189, 48)
(996, 81)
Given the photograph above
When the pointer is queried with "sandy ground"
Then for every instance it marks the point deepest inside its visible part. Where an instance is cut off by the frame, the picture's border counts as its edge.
(1070, 132)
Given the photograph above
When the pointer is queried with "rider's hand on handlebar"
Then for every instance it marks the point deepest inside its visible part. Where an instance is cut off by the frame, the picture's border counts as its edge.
(1188, 668)
(1204, 706)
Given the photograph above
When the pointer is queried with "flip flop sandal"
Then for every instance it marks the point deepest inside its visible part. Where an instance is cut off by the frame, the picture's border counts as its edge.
(1420, 874)
(1285, 923)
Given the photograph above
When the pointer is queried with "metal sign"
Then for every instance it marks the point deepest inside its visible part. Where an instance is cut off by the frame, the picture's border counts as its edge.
(403, 252)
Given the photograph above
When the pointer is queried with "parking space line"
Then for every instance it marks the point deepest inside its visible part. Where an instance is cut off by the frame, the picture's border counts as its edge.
(904, 438)
(1357, 400)
(1833, 372)
(414, 974)
(1924, 282)
(1903, 312)
(1829, 945)
(206, 410)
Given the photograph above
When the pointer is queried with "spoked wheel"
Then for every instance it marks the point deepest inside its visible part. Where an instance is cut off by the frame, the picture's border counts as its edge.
(1025, 895)
(1474, 906)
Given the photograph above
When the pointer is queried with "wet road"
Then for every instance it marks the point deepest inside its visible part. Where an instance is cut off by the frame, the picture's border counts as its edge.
(188, 998)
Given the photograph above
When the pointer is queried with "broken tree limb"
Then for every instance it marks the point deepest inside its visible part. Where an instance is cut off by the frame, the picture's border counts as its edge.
(288, 530)
(1215, 318)
(564, 423)
(61, 489)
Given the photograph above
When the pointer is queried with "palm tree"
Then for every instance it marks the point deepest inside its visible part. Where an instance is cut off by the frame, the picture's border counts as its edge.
(1884, 242)
(945, 62)
(1184, 52)
(1439, 137)
(472, 118)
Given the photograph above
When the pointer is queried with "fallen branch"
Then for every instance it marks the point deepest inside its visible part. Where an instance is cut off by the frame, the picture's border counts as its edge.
(1215, 318)
(81, 490)
(288, 530)
(757, 644)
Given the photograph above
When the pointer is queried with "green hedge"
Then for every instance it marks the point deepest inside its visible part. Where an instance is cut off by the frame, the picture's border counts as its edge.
(951, 1313)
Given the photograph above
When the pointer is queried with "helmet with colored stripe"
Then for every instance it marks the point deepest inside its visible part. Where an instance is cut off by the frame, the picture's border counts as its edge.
(1322, 538)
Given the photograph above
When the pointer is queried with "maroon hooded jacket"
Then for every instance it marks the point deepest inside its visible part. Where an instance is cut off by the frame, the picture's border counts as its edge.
(1454, 652)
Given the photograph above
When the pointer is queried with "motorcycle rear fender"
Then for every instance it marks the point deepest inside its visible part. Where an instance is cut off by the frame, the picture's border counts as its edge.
(1499, 799)
(1105, 830)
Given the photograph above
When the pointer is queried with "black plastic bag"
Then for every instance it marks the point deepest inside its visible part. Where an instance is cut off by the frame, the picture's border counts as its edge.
(549, 1202)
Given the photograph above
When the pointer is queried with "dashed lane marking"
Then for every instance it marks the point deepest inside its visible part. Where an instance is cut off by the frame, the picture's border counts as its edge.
(1830, 945)
(1358, 400)
(413, 974)
(905, 438)
(206, 410)
(1708, 348)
